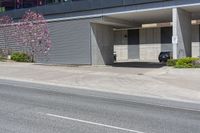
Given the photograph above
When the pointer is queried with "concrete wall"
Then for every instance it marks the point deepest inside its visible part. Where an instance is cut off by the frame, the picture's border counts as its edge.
(148, 48)
(150, 43)
(166, 39)
(195, 41)
(133, 44)
(126, 44)
(102, 41)
(121, 45)
(166, 46)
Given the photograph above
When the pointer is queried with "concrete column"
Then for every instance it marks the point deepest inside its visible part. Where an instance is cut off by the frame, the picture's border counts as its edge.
(182, 33)
(102, 41)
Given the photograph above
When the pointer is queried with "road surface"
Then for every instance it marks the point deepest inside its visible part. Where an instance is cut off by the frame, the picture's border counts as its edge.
(27, 108)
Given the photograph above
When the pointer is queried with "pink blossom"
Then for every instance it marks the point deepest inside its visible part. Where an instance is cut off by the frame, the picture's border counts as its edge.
(32, 32)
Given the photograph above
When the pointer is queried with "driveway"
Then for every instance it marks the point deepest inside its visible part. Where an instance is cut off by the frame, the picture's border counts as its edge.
(155, 82)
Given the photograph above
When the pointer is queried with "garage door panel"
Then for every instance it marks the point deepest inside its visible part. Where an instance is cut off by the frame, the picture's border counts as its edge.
(70, 42)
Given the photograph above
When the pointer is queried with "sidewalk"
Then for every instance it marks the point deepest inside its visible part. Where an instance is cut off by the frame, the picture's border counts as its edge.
(165, 83)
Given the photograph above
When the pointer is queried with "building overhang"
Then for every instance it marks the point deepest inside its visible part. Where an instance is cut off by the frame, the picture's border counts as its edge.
(157, 15)
(116, 22)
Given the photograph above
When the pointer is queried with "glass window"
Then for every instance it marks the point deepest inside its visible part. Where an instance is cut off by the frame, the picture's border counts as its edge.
(40, 2)
(53, 1)
(17, 4)
(29, 3)
(32, 3)
(7, 4)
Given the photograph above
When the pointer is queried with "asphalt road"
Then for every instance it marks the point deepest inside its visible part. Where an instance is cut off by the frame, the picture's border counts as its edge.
(28, 108)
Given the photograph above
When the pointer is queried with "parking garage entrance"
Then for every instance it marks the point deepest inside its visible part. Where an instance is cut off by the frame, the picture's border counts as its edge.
(141, 36)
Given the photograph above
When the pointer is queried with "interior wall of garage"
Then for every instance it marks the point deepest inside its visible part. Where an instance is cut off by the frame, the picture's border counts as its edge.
(137, 44)
(126, 44)
(151, 42)
(195, 40)
(121, 44)
(166, 39)
(133, 44)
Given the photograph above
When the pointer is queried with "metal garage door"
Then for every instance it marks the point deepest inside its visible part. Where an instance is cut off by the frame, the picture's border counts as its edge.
(70, 42)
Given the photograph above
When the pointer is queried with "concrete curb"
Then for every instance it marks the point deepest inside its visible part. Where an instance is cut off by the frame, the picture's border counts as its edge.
(99, 90)
(167, 103)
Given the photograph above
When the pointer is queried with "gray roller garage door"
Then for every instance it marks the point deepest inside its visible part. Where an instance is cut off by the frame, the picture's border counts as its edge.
(7, 40)
(70, 42)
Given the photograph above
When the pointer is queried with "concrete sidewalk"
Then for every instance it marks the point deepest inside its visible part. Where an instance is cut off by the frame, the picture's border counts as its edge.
(164, 83)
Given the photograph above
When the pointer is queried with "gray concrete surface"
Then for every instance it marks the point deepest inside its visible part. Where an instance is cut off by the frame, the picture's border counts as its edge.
(182, 32)
(102, 40)
(162, 83)
(31, 108)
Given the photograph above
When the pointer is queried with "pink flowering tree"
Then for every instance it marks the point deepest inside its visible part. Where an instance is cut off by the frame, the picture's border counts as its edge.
(33, 35)
(6, 28)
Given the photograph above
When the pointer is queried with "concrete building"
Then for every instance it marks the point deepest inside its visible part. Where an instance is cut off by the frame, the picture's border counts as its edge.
(90, 31)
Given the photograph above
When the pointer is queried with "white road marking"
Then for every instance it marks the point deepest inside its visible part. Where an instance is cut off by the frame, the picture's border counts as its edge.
(93, 123)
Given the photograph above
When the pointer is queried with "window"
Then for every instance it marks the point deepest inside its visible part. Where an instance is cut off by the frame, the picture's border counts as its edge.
(7, 4)
(17, 4)
(29, 3)
(53, 1)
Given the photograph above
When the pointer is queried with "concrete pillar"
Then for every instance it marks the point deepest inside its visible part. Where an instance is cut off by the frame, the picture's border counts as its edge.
(102, 41)
(182, 33)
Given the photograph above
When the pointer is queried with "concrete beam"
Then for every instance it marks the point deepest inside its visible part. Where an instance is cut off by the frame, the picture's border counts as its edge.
(182, 33)
(117, 22)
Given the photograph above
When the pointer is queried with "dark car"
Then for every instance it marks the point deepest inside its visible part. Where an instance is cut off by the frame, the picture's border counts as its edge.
(115, 56)
(164, 56)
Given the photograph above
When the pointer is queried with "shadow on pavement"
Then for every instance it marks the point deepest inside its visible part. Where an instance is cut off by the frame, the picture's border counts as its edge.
(139, 64)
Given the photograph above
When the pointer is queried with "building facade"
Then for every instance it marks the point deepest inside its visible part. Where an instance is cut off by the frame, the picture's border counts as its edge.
(90, 31)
